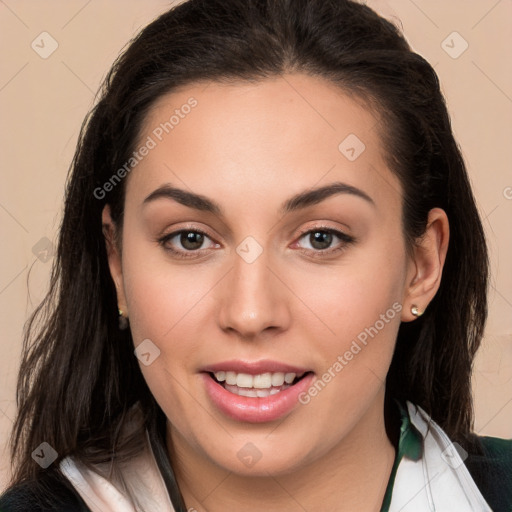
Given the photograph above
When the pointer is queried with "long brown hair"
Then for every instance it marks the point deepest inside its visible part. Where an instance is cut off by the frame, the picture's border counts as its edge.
(79, 376)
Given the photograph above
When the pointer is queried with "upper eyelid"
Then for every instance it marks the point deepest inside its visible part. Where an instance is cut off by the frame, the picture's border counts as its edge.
(341, 235)
(172, 234)
(322, 228)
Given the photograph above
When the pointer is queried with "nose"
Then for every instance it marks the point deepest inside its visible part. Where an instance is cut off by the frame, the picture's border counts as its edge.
(253, 300)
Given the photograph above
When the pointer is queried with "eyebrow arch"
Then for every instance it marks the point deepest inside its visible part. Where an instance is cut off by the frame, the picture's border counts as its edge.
(196, 201)
(317, 195)
(296, 202)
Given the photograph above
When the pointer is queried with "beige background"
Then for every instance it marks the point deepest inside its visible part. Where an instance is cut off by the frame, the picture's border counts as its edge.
(43, 102)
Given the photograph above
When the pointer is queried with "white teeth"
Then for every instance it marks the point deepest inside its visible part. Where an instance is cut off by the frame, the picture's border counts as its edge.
(247, 392)
(277, 379)
(261, 381)
(244, 380)
(255, 393)
(289, 378)
(220, 376)
(231, 378)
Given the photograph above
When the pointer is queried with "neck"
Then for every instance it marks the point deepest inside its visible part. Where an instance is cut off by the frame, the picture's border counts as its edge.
(351, 476)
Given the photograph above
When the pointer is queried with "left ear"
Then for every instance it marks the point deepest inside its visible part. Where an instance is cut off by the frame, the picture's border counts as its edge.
(426, 266)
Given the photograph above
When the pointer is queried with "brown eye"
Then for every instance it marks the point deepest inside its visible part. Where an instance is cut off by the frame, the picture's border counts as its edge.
(191, 240)
(324, 241)
(320, 239)
(187, 243)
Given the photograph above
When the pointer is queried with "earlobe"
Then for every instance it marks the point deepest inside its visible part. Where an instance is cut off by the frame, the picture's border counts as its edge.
(428, 260)
(114, 259)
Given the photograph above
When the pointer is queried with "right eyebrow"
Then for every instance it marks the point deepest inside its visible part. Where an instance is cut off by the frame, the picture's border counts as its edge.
(190, 199)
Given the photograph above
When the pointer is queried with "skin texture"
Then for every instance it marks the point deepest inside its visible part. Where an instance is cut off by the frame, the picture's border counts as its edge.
(249, 147)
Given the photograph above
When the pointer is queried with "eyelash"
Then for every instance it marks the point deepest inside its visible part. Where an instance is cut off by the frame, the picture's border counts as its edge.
(346, 240)
(182, 254)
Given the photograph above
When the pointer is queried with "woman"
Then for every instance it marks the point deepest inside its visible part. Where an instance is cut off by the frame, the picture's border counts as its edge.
(270, 283)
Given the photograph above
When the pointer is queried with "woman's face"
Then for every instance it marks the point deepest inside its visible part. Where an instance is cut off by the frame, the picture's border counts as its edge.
(290, 264)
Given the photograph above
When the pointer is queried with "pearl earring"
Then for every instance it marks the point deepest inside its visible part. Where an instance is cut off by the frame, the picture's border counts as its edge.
(415, 311)
(123, 320)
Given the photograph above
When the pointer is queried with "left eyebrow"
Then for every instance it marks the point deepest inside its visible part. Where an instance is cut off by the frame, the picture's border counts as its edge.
(317, 195)
(297, 202)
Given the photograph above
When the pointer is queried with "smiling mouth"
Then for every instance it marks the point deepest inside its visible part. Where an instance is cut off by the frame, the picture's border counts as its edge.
(256, 386)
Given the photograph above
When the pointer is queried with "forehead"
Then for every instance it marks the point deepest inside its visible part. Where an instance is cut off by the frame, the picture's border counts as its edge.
(265, 139)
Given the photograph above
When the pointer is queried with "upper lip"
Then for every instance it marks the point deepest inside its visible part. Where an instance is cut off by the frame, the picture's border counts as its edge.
(254, 367)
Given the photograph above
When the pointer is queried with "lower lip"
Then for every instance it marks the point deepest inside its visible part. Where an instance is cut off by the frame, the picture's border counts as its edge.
(252, 409)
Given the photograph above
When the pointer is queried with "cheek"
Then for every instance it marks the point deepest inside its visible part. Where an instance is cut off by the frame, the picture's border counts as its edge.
(160, 294)
(359, 306)
(165, 306)
(363, 293)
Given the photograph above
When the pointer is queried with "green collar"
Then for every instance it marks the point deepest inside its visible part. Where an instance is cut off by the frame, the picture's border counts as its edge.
(410, 445)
